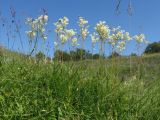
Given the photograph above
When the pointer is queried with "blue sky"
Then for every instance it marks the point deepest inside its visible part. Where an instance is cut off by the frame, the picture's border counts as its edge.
(145, 19)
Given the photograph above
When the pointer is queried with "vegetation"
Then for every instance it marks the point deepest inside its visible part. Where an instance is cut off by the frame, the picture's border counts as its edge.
(78, 85)
(75, 55)
(80, 90)
(153, 48)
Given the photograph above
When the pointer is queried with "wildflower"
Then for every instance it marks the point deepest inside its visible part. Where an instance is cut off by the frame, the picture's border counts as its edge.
(102, 30)
(139, 38)
(70, 33)
(126, 36)
(82, 22)
(121, 45)
(83, 27)
(59, 27)
(37, 25)
(63, 38)
(63, 33)
(43, 19)
(84, 33)
(94, 38)
(61, 24)
(31, 34)
(42, 30)
(74, 41)
(117, 34)
(65, 21)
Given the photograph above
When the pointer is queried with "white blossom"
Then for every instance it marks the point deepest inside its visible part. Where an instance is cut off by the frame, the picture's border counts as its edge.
(61, 24)
(94, 38)
(63, 38)
(117, 34)
(139, 38)
(59, 27)
(74, 41)
(84, 33)
(102, 30)
(31, 34)
(70, 33)
(65, 21)
(121, 45)
(37, 26)
(43, 19)
(126, 36)
(83, 28)
(82, 22)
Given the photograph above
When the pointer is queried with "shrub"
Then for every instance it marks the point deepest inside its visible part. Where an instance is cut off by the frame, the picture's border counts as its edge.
(153, 48)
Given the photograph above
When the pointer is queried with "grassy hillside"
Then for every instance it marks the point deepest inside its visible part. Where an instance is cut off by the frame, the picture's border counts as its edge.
(113, 89)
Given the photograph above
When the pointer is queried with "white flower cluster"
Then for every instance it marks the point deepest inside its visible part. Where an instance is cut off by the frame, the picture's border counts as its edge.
(94, 38)
(126, 36)
(117, 34)
(61, 24)
(74, 42)
(121, 45)
(70, 33)
(83, 27)
(119, 38)
(82, 22)
(103, 30)
(37, 26)
(116, 37)
(139, 38)
(63, 38)
(63, 33)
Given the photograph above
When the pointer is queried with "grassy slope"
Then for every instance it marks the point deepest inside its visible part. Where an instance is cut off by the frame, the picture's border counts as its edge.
(80, 90)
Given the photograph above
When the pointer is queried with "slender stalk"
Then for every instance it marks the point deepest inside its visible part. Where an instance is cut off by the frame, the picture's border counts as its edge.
(82, 49)
(92, 52)
(43, 49)
(35, 45)
(62, 54)
(101, 51)
(19, 34)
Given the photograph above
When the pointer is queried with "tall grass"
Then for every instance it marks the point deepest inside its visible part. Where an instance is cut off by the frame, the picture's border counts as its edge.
(65, 91)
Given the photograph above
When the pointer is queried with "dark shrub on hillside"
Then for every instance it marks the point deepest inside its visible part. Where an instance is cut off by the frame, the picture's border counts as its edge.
(114, 54)
(133, 54)
(97, 56)
(76, 55)
(61, 55)
(40, 56)
(153, 48)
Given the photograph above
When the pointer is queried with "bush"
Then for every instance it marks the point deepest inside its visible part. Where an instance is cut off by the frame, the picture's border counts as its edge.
(133, 54)
(72, 55)
(153, 48)
(40, 56)
(114, 54)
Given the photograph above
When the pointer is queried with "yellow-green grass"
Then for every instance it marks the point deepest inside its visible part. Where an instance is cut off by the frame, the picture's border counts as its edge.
(113, 89)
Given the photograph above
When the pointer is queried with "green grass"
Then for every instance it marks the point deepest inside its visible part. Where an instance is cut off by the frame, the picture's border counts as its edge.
(83, 90)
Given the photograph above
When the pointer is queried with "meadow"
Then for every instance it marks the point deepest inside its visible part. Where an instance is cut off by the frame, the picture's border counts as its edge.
(79, 90)
(115, 88)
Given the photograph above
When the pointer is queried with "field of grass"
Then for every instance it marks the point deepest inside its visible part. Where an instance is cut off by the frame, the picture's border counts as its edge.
(84, 90)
